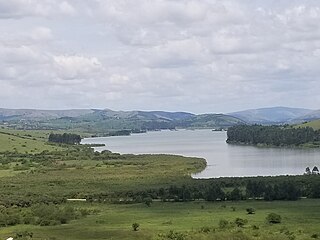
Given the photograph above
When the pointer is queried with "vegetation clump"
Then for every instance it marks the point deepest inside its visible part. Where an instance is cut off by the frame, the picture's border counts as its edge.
(273, 218)
(66, 138)
(135, 226)
(272, 135)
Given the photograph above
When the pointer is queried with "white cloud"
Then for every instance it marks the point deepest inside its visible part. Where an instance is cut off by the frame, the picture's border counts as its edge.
(189, 55)
(67, 8)
(72, 67)
(41, 34)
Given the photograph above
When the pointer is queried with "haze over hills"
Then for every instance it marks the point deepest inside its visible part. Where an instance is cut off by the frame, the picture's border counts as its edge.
(272, 115)
(104, 120)
(313, 115)
(35, 114)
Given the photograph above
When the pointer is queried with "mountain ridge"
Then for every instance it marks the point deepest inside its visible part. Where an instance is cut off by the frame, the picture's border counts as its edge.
(271, 115)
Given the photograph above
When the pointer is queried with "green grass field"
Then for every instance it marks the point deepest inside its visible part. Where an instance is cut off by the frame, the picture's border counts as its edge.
(314, 124)
(24, 142)
(78, 172)
(300, 220)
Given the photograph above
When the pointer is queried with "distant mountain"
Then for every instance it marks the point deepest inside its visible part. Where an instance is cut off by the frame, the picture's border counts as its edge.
(313, 115)
(273, 115)
(106, 120)
(32, 114)
(211, 121)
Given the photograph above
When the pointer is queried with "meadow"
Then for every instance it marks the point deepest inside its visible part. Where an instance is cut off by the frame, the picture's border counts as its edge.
(193, 220)
(124, 189)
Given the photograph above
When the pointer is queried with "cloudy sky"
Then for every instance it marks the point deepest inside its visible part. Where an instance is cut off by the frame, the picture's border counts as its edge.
(176, 55)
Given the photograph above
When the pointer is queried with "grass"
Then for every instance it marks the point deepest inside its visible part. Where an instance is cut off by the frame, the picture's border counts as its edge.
(80, 178)
(21, 143)
(300, 218)
(314, 124)
(74, 172)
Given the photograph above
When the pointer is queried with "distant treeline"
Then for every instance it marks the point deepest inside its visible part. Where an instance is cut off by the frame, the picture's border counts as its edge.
(225, 189)
(66, 138)
(272, 135)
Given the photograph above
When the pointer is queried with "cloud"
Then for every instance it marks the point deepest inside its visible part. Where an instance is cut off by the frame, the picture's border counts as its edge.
(72, 67)
(28, 8)
(199, 56)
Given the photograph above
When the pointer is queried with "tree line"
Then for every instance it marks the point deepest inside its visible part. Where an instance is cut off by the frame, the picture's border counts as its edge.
(66, 138)
(272, 135)
(224, 189)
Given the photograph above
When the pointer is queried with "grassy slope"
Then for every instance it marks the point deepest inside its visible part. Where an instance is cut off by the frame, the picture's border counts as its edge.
(22, 143)
(299, 218)
(314, 124)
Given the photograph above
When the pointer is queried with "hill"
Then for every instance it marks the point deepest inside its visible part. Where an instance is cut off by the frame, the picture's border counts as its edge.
(273, 115)
(24, 142)
(106, 120)
(314, 124)
(313, 115)
(34, 114)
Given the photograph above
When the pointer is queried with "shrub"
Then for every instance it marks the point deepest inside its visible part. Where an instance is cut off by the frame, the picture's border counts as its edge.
(223, 223)
(135, 226)
(273, 218)
(240, 222)
(172, 236)
(251, 211)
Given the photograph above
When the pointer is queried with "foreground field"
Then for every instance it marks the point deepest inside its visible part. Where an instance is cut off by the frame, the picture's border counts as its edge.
(36, 181)
(195, 220)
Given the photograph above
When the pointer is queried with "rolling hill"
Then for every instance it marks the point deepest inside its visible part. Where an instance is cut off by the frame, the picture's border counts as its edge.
(34, 114)
(314, 124)
(273, 115)
(106, 120)
(313, 115)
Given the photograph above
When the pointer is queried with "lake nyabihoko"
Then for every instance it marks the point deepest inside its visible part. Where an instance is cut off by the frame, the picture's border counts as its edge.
(224, 160)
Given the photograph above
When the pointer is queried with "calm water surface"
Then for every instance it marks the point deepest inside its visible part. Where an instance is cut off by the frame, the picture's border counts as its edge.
(223, 159)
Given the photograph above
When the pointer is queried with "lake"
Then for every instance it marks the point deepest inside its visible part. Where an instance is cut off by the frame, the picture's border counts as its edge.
(224, 160)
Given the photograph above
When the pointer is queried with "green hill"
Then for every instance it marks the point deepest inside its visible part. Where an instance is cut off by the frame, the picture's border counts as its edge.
(23, 142)
(314, 124)
(95, 121)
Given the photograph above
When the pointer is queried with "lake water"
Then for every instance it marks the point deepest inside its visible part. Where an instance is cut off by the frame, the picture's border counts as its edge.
(224, 160)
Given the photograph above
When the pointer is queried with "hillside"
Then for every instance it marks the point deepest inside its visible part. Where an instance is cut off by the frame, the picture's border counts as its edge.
(273, 115)
(314, 124)
(210, 121)
(23, 142)
(314, 115)
(34, 114)
(106, 121)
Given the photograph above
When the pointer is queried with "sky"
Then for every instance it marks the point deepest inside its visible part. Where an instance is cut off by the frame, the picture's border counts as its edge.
(176, 55)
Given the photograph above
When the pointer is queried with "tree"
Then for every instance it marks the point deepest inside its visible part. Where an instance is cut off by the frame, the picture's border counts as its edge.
(148, 201)
(308, 171)
(135, 226)
(235, 194)
(315, 170)
(66, 138)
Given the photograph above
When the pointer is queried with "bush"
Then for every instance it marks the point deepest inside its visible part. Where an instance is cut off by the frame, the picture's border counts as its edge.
(172, 236)
(251, 211)
(240, 222)
(223, 223)
(135, 226)
(273, 218)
